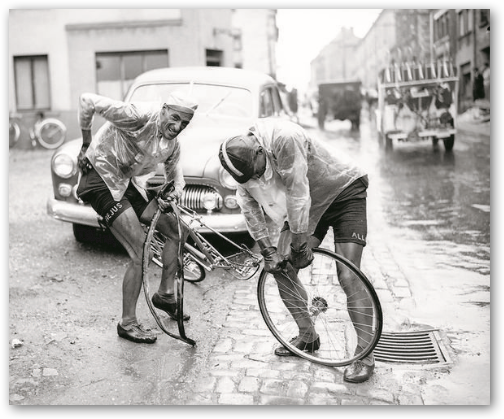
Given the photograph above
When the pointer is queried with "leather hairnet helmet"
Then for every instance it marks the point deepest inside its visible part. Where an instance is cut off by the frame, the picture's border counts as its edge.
(237, 156)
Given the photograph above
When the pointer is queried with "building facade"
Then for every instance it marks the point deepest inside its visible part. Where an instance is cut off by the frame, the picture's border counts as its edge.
(464, 36)
(56, 54)
(460, 36)
(336, 62)
(256, 36)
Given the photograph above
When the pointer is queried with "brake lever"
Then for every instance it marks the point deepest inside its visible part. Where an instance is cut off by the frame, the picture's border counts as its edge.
(166, 189)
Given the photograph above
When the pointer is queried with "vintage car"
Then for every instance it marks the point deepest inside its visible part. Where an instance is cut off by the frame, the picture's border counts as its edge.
(229, 101)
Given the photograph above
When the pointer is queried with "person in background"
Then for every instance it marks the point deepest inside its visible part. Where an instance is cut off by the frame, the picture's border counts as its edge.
(486, 80)
(129, 147)
(478, 87)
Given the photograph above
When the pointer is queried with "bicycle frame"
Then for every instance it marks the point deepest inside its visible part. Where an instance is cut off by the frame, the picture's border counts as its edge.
(204, 252)
(208, 256)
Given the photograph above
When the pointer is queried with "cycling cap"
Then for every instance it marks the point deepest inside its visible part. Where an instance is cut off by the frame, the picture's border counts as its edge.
(237, 155)
(181, 102)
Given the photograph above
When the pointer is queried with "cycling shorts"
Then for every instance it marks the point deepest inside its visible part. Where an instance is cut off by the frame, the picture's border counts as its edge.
(93, 190)
(346, 215)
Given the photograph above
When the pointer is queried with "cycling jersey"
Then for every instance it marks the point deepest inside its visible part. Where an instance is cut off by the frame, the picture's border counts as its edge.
(302, 178)
(130, 144)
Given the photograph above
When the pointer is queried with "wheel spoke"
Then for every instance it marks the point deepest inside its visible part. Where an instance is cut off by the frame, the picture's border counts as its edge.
(346, 313)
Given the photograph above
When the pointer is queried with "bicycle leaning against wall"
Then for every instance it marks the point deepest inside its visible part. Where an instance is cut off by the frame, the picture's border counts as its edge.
(346, 333)
(50, 133)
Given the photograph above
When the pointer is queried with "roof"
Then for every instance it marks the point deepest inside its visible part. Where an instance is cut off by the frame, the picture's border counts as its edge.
(218, 75)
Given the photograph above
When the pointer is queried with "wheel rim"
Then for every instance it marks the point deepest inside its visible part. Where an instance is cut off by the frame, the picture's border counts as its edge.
(327, 307)
(51, 133)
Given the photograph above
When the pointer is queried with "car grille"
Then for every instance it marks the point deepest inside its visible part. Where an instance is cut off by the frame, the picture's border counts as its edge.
(192, 196)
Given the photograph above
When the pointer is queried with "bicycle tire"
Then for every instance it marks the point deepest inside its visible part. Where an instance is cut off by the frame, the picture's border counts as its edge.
(50, 133)
(327, 308)
(154, 275)
(14, 133)
(193, 270)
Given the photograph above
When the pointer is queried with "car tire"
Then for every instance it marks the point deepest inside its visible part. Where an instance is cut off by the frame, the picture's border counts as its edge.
(388, 143)
(94, 235)
(449, 142)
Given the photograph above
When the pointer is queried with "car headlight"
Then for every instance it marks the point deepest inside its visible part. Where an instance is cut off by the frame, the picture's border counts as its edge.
(64, 166)
(211, 201)
(226, 179)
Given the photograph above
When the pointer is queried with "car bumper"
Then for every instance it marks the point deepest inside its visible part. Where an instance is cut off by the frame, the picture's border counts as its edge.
(85, 215)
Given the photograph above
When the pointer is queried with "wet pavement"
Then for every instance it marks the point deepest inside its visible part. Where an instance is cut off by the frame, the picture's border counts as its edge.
(419, 289)
(417, 293)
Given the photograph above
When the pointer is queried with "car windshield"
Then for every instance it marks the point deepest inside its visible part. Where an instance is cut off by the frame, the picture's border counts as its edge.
(214, 100)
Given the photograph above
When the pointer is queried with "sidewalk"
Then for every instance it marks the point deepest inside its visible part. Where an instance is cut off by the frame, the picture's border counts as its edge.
(470, 121)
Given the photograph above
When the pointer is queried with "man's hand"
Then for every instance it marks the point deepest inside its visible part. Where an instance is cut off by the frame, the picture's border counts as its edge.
(164, 203)
(272, 261)
(302, 256)
(83, 162)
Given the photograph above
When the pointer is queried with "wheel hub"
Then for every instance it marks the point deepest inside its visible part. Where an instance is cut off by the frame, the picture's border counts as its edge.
(318, 305)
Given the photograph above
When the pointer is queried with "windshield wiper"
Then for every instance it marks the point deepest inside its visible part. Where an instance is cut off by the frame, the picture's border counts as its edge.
(218, 103)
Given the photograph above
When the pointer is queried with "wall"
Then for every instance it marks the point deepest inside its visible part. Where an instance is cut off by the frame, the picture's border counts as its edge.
(259, 36)
(71, 38)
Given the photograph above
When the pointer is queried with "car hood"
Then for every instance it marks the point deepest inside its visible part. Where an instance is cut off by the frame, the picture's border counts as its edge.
(200, 148)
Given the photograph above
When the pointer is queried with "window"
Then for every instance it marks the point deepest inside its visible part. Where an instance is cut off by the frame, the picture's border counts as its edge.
(116, 71)
(441, 26)
(461, 23)
(217, 101)
(213, 58)
(32, 83)
(465, 21)
(466, 84)
(470, 20)
(237, 41)
(484, 17)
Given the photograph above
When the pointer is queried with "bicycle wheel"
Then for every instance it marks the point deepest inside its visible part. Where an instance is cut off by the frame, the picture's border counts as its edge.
(346, 314)
(50, 133)
(14, 133)
(151, 277)
(193, 271)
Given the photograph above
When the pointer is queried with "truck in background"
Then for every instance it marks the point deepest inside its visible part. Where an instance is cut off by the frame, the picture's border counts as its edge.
(417, 102)
(341, 101)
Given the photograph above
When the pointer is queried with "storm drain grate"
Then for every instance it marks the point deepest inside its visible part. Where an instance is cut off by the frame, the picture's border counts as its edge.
(422, 347)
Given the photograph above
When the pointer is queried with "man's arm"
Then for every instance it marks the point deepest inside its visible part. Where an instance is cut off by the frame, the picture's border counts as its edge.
(121, 114)
(292, 167)
(291, 157)
(256, 225)
(173, 170)
(253, 213)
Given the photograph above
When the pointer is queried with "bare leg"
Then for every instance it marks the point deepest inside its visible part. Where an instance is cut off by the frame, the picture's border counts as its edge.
(293, 294)
(167, 225)
(129, 232)
(357, 298)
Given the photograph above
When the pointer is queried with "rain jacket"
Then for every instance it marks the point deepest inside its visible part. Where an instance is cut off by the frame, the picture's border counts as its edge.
(301, 180)
(129, 145)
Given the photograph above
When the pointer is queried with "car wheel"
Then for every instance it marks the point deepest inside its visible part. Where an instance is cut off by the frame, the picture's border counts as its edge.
(449, 142)
(388, 143)
(94, 235)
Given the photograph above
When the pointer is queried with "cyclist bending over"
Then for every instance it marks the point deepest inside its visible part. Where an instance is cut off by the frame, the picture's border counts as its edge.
(296, 181)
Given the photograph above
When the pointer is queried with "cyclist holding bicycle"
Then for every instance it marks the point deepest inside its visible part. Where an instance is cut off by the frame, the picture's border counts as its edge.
(135, 139)
(294, 180)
